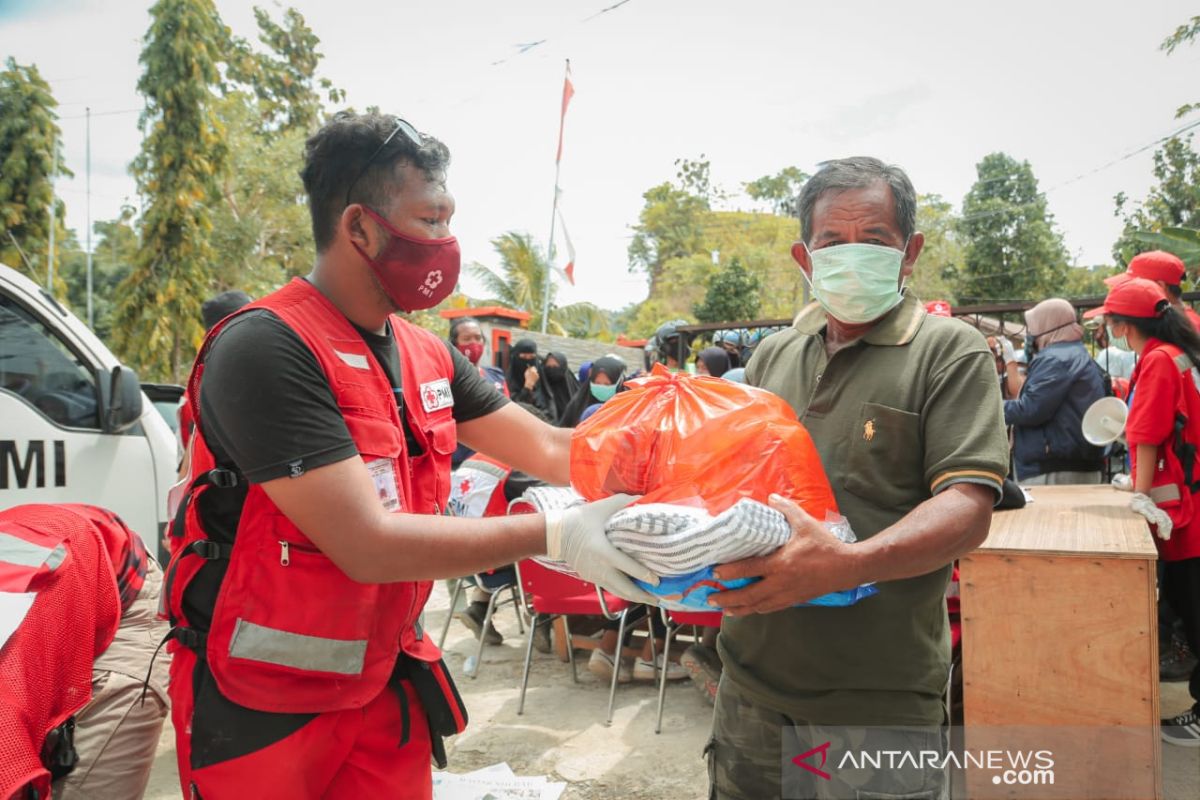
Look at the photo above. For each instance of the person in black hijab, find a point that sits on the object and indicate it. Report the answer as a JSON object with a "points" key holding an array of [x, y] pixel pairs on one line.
{"points": [[524, 375], [604, 380], [712, 361], [558, 383]]}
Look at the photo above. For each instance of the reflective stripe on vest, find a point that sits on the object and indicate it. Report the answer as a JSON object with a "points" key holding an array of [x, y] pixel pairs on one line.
{"points": [[1167, 493], [297, 650], [21, 553]]}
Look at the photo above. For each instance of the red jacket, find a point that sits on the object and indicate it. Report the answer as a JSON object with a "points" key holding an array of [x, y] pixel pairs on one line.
{"points": [[292, 633], [1165, 413], [60, 553]]}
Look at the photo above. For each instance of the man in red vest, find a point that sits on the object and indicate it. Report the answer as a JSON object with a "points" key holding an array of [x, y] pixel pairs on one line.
{"points": [[320, 470], [80, 708]]}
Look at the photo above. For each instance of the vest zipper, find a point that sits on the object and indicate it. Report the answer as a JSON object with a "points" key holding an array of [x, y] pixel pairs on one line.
{"points": [[285, 556]]}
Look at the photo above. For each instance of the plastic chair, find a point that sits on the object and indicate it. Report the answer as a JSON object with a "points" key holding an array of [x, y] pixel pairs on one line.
{"points": [[680, 618], [495, 582], [547, 594]]}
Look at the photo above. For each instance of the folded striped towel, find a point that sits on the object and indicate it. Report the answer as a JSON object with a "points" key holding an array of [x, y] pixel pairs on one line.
{"points": [[679, 540]]}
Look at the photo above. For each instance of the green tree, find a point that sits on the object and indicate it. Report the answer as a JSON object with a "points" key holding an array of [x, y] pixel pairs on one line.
{"points": [[114, 250], [158, 317], [1174, 202], [1087, 281], [936, 274], [779, 191], [520, 283], [1185, 34], [733, 295], [30, 144], [1012, 250], [284, 77], [669, 226]]}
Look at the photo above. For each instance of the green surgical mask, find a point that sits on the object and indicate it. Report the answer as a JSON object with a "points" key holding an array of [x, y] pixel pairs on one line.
{"points": [[602, 393], [857, 283], [1119, 342]]}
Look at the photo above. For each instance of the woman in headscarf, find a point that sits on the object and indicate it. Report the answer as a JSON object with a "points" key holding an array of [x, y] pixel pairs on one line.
{"points": [[712, 361], [524, 377], [1061, 383], [558, 384], [604, 380]]}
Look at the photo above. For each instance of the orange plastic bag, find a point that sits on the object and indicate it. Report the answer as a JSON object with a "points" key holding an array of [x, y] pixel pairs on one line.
{"points": [[698, 441]]}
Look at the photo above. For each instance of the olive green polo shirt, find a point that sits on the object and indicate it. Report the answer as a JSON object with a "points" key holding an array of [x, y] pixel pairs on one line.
{"points": [[904, 412]]}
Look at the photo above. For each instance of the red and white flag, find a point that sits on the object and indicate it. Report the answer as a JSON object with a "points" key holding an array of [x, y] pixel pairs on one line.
{"points": [[568, 92], [569, 269]]}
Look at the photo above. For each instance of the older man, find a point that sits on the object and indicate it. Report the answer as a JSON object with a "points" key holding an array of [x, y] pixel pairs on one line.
{"points": [[905, 412]]}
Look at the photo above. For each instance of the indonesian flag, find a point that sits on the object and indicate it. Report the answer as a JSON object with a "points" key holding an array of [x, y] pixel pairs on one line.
{"points": [[569, 269], [568, 93]]}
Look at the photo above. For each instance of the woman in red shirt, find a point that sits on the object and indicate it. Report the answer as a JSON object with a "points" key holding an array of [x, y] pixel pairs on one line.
{"points": [[1163, 432]]}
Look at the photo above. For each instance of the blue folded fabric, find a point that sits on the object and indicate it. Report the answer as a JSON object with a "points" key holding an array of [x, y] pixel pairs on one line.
{"points": [[690, 592]]}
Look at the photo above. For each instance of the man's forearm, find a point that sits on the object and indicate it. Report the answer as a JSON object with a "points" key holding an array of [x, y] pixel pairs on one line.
{"points": [[930, 536], [412, 547]]}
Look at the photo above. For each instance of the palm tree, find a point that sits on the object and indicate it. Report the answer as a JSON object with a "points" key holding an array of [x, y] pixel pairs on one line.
{"points": [[520, 283]]}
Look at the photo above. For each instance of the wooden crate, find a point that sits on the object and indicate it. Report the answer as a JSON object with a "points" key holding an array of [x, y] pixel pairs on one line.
{"points": [[1060, 632]]}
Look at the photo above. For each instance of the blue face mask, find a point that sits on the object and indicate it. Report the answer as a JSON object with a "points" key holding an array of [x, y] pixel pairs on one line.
{"points": [[602, 393]]}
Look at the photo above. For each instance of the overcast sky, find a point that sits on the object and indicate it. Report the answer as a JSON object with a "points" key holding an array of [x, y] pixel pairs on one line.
{"points": [[755, 85]]}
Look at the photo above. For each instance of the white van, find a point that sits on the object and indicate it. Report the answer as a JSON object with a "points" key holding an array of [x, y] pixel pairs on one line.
{"points": [[75, 426]]}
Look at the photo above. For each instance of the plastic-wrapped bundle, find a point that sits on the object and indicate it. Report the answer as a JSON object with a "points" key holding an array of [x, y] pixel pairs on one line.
{"points": [[698, 441]]}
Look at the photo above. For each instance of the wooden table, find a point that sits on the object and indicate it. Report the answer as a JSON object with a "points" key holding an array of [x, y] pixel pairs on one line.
{"points": [[1060, 636]]}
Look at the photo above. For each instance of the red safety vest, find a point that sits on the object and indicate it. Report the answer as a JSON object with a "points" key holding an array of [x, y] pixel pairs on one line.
{"points": [[291, 632], [1170, 489], [477, 488], [58, 553]]}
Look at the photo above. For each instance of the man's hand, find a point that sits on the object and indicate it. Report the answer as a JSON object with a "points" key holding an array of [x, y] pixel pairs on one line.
{"points": [[1143, 505], [531, 378], [812, 563], [576, 536]]}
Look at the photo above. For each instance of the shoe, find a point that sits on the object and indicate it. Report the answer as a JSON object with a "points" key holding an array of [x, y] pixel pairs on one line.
{"points": [[644, 670], [600, 664], [472, 616], [704, 668], [1183, 730], [1178, 662], [541, 638]]}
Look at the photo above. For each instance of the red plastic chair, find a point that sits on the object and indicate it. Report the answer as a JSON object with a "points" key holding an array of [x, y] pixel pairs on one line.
{"points": [[548, 594], [680, 618]]}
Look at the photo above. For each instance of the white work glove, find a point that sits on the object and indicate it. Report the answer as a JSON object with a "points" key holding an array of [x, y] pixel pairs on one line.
{"points": [[1143, 505], [1122, 482], [1006, 349], [576, 535]]}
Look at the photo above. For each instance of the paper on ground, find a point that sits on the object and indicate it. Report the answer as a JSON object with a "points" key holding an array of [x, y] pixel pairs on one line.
{"points": [[497, 782], [13, 608]]}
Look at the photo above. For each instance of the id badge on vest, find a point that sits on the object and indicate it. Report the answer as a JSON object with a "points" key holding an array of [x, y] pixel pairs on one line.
{"points": [[384, 474]]}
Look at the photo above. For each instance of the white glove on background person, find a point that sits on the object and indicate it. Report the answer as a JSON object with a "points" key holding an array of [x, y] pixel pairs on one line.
{"points": [[1006, 350], [576, 535], [1143, 505], [1122, 482]]}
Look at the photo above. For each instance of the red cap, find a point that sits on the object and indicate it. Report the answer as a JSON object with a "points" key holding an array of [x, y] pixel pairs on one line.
{"points": [[1155, 265], [938, 308], [1134, 297]]}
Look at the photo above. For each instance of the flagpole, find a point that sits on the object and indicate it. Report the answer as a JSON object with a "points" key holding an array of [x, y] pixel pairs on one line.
{"points": [[554, 208]]}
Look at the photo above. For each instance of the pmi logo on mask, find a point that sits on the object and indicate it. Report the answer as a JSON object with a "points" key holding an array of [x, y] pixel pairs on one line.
{"points": [[432, 281]]}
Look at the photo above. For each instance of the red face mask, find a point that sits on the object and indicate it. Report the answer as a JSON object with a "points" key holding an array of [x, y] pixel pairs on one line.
{"points": [[415, 273], [472, 350]]}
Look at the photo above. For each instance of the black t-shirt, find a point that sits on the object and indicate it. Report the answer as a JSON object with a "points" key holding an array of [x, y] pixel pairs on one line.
{"points": [[266, 406]]}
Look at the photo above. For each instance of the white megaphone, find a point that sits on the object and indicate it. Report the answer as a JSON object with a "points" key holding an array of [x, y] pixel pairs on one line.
{"points": [[1104, 421]]}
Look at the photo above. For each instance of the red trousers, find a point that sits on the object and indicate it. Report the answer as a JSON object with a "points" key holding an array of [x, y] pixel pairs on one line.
{"points": [[229, 752]]}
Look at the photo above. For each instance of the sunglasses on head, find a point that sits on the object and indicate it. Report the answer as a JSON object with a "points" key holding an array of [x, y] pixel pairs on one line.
{"points": [[410, 133]]}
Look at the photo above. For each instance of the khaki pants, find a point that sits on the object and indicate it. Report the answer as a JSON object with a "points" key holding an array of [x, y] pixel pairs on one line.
{"points": [[116, 735]]}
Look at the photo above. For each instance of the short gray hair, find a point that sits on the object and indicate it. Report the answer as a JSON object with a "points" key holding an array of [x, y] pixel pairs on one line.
{"points": [[857, 173]]}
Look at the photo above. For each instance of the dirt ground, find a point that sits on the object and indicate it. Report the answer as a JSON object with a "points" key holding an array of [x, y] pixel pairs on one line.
{"points": [[562, 732]]}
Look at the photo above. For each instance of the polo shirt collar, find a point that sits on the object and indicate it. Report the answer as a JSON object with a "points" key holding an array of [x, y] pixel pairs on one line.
{"points": [[898, 327]]}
